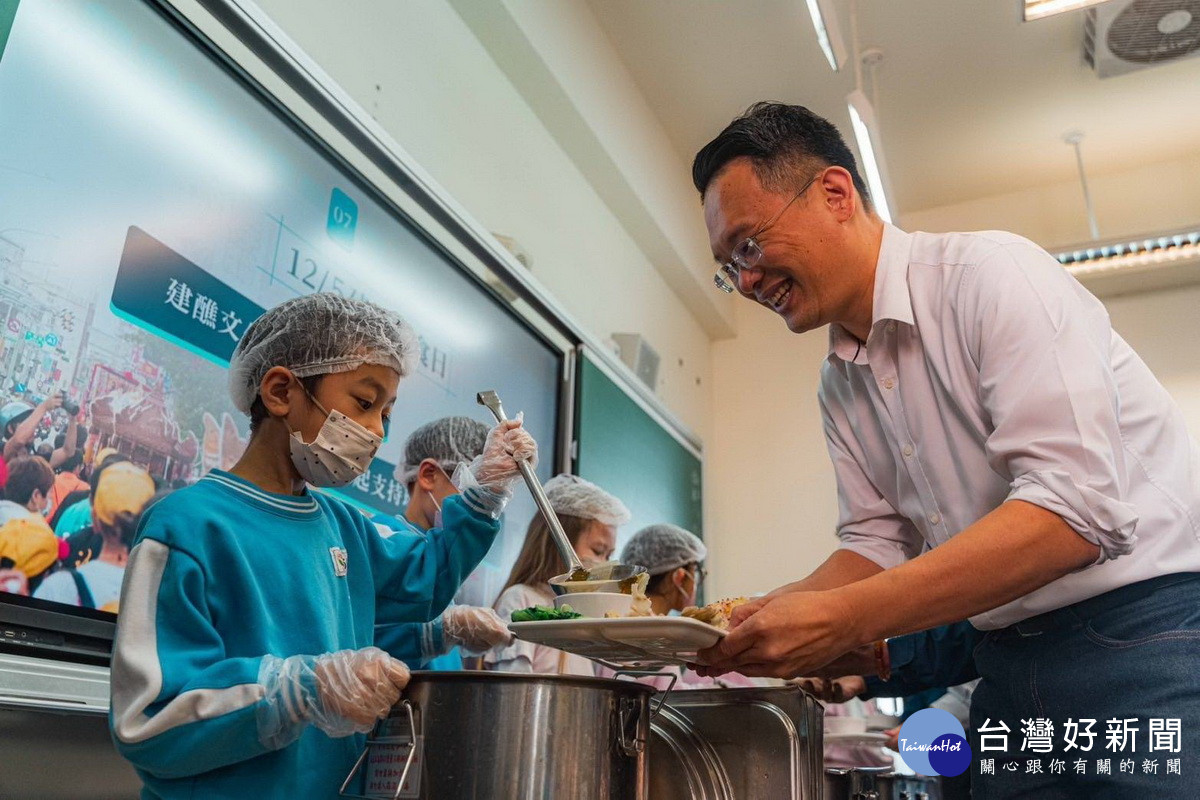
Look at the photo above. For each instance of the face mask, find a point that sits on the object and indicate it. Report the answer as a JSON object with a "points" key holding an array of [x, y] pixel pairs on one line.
{"points": [[341, 451], [46, 506], [437, 516], [689, 598]]}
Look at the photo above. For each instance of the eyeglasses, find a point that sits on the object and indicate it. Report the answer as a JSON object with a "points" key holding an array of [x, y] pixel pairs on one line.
{"points": [[749, 252], [699, 575]]}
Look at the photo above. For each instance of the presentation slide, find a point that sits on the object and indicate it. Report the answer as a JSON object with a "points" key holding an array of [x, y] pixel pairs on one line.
{"points": [[153, 206]]}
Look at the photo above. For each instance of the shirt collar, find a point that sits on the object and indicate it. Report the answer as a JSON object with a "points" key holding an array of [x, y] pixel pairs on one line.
{"points": [[891, 299]]}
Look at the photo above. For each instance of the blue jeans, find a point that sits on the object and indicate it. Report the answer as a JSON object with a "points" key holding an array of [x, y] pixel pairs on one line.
{"points": [[1132, 653]]}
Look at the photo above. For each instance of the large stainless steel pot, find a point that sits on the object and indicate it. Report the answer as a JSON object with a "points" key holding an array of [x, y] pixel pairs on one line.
{"points": [[682, 762], [729, 744], [519, 737], [861, 783], [879, 783], [893, 786]]}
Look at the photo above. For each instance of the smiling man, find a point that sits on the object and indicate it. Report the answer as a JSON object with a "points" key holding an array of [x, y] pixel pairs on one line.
{"points": [[1001, 455]]}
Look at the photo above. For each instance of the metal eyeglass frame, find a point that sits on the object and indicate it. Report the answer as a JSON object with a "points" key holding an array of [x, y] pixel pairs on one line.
{"points": [[748, 252]]}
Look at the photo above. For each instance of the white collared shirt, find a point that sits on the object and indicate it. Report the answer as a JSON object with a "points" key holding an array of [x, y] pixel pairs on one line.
{"points": [[990, 374]]}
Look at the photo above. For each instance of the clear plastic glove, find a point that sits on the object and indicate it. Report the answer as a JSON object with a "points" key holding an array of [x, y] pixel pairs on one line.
{"points": [[496, 468], [475, 629], [341, 693]]}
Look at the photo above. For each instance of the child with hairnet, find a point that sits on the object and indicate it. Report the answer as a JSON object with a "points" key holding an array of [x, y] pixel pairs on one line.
{"points": [[432, 454], [590, 517], [244, 663], [674, 559]]}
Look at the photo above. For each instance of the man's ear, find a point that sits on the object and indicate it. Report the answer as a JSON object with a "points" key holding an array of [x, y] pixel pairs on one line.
{"points": [[276, 391], [841, 197]]}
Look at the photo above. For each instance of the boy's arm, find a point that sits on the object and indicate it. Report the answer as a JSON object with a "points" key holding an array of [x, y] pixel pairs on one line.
{"points": [[179, 706], [417, 574], [414, 643]]}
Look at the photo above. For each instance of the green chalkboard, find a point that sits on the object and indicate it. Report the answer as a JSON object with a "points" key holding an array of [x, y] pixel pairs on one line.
{"points": [[8, 13], [628, 452]]}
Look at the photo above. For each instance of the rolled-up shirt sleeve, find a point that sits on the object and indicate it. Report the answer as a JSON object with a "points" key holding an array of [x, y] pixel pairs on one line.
{"points": [[867, 523], [1041, 343]]}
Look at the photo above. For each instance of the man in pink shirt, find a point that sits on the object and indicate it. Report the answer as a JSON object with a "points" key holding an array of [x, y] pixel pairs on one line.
{"points": [[1001, 455]]}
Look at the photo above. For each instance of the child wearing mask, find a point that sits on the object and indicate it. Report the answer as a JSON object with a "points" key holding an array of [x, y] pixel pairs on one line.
{"points": [[432, 454], [590, 517], [244, 663]]}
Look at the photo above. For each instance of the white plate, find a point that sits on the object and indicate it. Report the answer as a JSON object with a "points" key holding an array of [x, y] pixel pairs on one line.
{"points": [[629, 641], [869, 739]]}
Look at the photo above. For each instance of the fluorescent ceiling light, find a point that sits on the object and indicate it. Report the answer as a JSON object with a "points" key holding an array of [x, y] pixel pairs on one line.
{"points": [[1147, 252], [1037, 9], [866, 133], [829, 35]]}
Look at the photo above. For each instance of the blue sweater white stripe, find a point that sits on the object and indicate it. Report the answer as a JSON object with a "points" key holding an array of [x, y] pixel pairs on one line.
{"points": [[223, 573]]}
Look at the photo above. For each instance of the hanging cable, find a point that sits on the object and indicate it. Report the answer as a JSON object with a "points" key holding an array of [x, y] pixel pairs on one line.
{"points": [[1075, 139], [858, 80]]}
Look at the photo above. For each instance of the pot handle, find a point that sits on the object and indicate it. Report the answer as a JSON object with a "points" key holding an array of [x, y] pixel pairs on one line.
{"points": [[630, 710], [412, 754], [652, 673]]}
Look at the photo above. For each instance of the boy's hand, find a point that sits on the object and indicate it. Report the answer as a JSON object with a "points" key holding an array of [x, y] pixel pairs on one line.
{"points": [[355, 689], [473, 628], [496, 468]]}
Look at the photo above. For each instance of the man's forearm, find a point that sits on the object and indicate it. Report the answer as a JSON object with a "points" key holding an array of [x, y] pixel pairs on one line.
{"points": [[62, 454], [1009, 553], [841, 568], [71, 442]]}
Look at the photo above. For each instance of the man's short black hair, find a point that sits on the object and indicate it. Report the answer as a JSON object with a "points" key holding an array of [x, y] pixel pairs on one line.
{"points": [[786, 144], [258, 411]]}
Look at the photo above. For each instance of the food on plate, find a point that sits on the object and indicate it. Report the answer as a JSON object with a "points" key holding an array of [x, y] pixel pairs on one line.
{"points": [[542, 613], [640, 607], [716, 614], [641, 604]]}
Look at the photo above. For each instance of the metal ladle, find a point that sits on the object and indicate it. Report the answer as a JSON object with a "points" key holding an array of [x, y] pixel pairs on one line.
{"points": [[610, 576]]}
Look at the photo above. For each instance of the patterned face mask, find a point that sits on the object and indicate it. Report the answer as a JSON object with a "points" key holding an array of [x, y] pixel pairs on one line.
{"points": [[341, 451]]}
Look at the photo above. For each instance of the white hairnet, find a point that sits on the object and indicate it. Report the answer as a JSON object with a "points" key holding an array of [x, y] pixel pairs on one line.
{"points": [[449, 441], [661, 548], [315, 335], [570, 494]]}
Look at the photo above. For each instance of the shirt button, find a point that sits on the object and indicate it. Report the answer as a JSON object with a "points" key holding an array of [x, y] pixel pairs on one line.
{"points": [[935, 518], [888, 383], [908, 451]]}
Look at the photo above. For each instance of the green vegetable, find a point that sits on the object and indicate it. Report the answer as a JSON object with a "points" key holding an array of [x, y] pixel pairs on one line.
{"points": [[541, 613]]}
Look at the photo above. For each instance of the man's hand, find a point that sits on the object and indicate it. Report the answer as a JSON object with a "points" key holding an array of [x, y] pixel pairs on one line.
{"points": [[833, 690], [786, 636]]}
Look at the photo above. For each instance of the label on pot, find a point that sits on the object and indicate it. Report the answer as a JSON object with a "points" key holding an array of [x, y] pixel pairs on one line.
{"points": [[385, 765]]}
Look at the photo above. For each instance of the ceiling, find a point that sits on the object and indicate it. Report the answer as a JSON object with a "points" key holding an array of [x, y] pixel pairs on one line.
{"points": [[971, 101]]}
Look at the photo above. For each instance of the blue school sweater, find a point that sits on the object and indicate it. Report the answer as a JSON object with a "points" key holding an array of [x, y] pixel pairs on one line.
{"points": [[223, 573]]}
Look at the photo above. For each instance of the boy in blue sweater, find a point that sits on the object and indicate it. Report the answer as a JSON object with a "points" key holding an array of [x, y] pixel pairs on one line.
{"points": [[244, 663]]}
